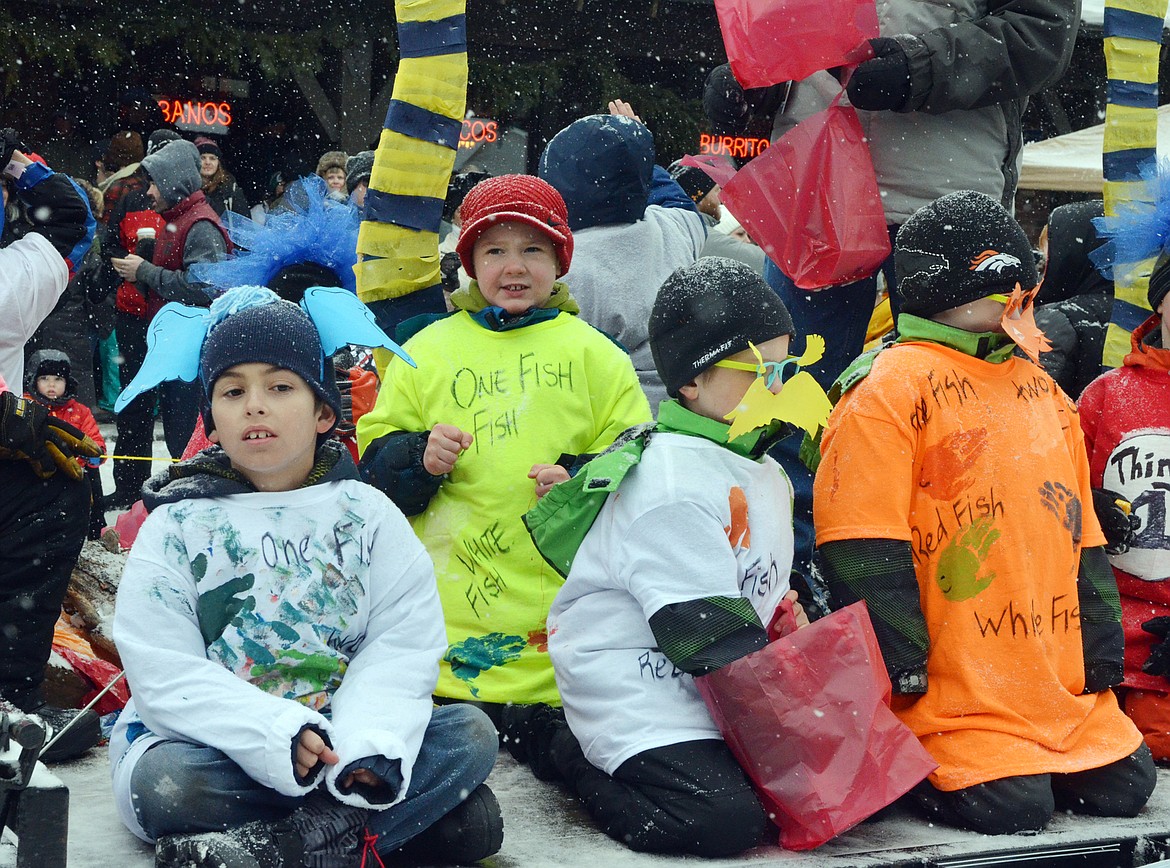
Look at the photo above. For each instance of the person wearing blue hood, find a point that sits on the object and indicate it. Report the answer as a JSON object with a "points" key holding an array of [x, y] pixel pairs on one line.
{"points": [[193, 235], [622, 209]]}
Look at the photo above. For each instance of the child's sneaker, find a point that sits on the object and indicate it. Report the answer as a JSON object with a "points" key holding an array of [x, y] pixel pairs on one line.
{"points": [[322, 833], [472, 830]]}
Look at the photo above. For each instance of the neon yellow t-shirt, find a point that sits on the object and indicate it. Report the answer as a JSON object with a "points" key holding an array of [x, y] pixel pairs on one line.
{"points": [[527, 396]]}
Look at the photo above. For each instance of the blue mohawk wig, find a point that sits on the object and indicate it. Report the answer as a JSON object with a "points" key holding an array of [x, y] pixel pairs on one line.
{"points": [[310, 230]]}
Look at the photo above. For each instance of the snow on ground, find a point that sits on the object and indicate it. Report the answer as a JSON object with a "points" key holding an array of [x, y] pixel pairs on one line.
{"points": [[543, 826]]}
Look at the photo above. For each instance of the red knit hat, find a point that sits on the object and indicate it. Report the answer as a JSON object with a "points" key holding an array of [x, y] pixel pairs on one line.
{"points": [[522, 198]]}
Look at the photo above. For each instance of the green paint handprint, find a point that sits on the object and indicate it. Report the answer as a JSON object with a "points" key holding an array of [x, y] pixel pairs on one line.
{"points": [[476, 654], [220, 606], [959, 564]]}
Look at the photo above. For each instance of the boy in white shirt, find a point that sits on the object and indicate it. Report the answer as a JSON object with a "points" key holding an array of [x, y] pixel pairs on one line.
{"points": [[281, 631], [681, 572]]}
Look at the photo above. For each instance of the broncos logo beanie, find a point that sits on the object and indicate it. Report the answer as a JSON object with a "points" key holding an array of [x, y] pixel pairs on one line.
{"points": [[960, 248]]}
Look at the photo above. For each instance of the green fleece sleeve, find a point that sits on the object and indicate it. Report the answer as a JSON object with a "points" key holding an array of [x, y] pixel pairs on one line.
{"points": [[881, 572]]}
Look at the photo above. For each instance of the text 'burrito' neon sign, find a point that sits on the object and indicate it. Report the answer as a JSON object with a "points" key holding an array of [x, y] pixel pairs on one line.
{"points": [[731, 146]]}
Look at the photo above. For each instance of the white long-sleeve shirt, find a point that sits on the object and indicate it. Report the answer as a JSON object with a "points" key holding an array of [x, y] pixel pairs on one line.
{"points": [[241, 619], [32, 277]]}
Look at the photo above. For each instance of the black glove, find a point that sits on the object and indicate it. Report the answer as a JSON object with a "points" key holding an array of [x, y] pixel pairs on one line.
{"points": [[724, 102], [1158, 663], [1118, 525], [883, 82], [28, 432], [9, 142]]}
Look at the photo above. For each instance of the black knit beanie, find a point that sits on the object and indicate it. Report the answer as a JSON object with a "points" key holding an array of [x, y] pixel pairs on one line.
{"points": [[159, 138], [279, 333], [1159, 281], [55, 363], [695, 182], [958, 249], [358, 168], [708, 311]]}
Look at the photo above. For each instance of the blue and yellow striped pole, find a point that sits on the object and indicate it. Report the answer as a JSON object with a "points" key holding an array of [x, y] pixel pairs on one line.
{"points": [[1133, 39], [398, 242]]}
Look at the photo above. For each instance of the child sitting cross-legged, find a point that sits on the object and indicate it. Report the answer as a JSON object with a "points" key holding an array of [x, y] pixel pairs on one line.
{"points": [[281, 632]]}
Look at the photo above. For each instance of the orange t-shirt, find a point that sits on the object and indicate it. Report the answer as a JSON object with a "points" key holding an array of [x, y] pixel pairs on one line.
{"points": [[981, 468]]}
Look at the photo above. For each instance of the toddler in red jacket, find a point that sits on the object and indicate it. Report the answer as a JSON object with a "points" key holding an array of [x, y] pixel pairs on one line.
{"points": [[48, 380]]}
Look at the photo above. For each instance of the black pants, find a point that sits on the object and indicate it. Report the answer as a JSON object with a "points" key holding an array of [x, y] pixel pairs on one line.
{"points": [[692, 797], [97, 502], [1027, 802], [178, 403], [42, 525]]}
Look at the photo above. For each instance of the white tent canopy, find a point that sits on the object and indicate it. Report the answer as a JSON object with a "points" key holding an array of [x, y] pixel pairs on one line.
{"points": [[1072, 162]]}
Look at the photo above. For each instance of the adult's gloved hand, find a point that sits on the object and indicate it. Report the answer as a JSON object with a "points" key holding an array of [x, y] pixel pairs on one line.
{"points": [[1118, 525], [9, 142], [1158, 663], [882, 82], [28, 432]]}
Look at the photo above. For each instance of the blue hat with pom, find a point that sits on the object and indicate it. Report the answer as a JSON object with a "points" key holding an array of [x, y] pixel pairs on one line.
{"points": [[253, 324]]}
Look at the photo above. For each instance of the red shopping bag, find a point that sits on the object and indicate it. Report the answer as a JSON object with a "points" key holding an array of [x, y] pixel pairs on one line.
{"points": [[811, 201], [808, 718], [770, 41]]}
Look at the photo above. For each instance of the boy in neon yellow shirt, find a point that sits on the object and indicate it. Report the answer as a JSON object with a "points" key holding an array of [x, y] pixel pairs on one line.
{"points": [[508, 391]]}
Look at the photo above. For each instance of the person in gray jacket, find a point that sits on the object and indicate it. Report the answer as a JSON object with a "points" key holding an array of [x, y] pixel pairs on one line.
{"points": [[704, 192], [193, 234], [941, 103], [623, 209]]}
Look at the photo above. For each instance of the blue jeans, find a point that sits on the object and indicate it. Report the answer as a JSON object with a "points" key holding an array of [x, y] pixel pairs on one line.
{"points": [[181, 788]]}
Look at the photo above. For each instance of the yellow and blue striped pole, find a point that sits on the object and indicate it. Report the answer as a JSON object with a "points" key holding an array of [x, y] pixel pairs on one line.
{"points": [[1133, 39], [398, 242]]}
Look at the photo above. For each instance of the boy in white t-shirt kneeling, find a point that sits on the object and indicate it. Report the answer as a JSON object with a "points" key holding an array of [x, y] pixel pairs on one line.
{"points": [[680, 572]]}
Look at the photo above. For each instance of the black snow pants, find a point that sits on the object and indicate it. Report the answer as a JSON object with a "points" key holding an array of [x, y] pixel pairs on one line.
{"points": [[43, 524], [687, 798], [1027, 802]]}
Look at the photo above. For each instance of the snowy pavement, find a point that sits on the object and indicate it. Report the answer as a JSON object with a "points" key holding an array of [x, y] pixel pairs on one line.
{"points": [[543, 826]]}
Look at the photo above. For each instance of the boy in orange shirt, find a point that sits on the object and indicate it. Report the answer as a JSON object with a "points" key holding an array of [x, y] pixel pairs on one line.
{"points": [[981, 561]]}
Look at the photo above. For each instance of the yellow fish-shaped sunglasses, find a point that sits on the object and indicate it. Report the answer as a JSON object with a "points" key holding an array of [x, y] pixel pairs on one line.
{"points": [[802, 401]]}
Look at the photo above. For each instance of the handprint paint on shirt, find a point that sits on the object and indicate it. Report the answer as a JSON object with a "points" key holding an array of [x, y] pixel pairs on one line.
{"points": [[961, 573], [1064, 503]]}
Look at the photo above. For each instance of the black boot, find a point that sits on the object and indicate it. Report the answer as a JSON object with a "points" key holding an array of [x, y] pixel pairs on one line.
{"points": [[79, 737], [472, 830], [527, 732], [322, 833], [97, 506]]}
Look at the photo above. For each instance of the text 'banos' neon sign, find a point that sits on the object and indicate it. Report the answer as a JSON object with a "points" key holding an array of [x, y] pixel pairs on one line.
{"points": [[188, 114], [477, 131], [732, 146]]}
